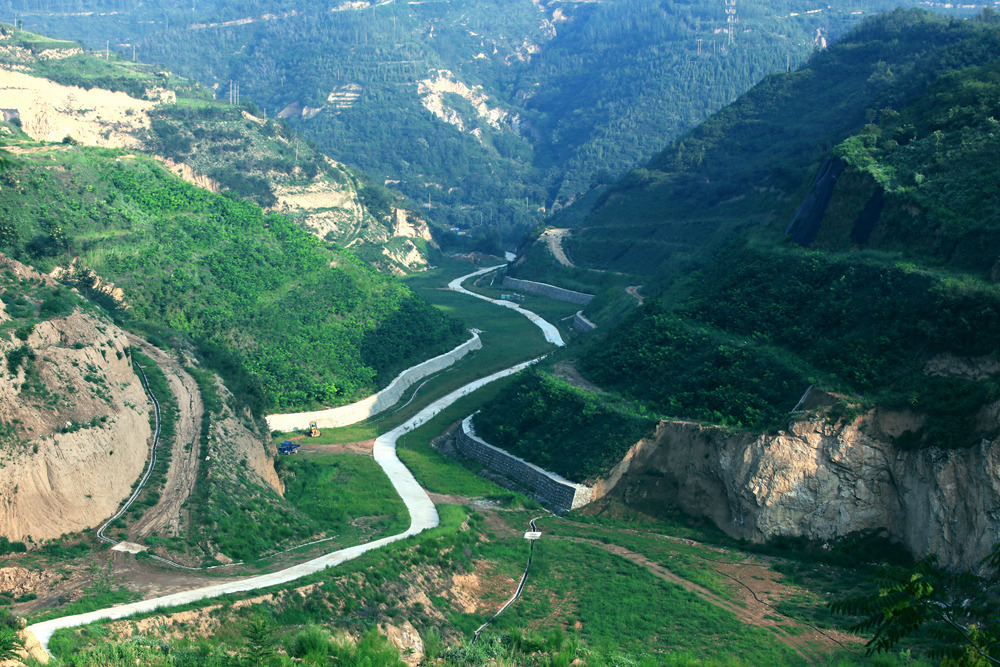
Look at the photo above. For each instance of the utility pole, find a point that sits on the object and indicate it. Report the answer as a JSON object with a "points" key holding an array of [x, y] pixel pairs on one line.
{"points": [[731, 20], [699, 46], [107, 50], [133, 53]]}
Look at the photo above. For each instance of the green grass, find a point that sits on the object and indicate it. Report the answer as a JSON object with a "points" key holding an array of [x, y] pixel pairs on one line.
{"points": [[336, 489], [689, 561], [621, 604], [332, 436], [103, 592]]}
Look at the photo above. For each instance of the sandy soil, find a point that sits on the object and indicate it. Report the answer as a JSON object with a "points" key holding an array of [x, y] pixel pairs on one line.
{"points": [[50, 111], [634, 291], [182, 475], [362, 447]]}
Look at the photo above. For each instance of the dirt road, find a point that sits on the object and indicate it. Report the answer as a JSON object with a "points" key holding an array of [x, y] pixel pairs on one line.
{"points": [[553, 239], [165, 517]]}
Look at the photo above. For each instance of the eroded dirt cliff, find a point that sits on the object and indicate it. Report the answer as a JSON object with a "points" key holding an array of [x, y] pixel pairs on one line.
{"points": [[73, 414], [823, 480]]}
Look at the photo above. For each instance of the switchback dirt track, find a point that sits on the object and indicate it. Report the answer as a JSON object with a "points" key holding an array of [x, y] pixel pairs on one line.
{"points": [[166, 516]]}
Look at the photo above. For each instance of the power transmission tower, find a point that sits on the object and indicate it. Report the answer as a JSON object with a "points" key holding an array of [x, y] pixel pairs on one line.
{"points": [[731, 20]]}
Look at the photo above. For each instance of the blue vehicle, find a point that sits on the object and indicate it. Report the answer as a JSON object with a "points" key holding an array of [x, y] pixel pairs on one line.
{"points": [[288, 447]]}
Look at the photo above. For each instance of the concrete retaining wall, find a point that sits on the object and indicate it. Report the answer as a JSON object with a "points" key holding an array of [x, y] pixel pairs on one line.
{"points": [[557, 492], [551, 291], [582, 324], [376, 403]]}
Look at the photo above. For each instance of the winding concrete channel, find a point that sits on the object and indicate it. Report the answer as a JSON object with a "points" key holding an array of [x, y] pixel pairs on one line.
{"points": [[549, 330], [423, 513]]}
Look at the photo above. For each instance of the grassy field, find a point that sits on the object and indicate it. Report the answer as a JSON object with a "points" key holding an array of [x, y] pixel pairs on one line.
{"points": [[344, 493]]}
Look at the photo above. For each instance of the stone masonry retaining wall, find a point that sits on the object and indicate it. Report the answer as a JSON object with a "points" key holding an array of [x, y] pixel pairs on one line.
{"points": [[376, 403], [582, 324], [553, 490], [551, 291]]}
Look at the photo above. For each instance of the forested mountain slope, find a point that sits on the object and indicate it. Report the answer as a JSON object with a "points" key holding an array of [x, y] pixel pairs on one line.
{"points": [[899, 264], [288, 319], [836, 227], [819, 266], [492, 113]]}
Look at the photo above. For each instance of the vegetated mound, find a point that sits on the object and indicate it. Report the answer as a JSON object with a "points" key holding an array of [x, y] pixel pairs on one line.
{"points": [[747, 320], [74, 418], [265, 161], [559, 427], [55, 91], [288, 321], [921, 178]]}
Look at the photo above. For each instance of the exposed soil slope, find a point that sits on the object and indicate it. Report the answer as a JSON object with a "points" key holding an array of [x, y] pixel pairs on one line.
{"points": [[74, 420], [50, 111]]}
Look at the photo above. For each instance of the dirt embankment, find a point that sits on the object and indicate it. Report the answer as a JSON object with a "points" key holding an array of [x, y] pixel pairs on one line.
{"points": [[51, 111], [75, 425], [553, 239], [242, 444]]}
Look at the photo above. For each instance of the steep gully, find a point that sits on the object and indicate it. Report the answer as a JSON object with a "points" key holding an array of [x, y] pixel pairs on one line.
{"points": [[423, 514]]}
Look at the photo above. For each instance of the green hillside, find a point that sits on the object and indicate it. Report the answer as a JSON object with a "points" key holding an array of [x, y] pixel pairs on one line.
{"points": [[290, 322], [228, 147], [836, 226]]}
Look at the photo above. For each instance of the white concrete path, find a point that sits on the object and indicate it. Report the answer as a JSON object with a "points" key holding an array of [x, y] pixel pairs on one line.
{"points": [[423, 515], [550, 331]]}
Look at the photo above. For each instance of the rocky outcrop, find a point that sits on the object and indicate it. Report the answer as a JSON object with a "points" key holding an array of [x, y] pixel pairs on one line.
{"points": [[822, 481]]}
